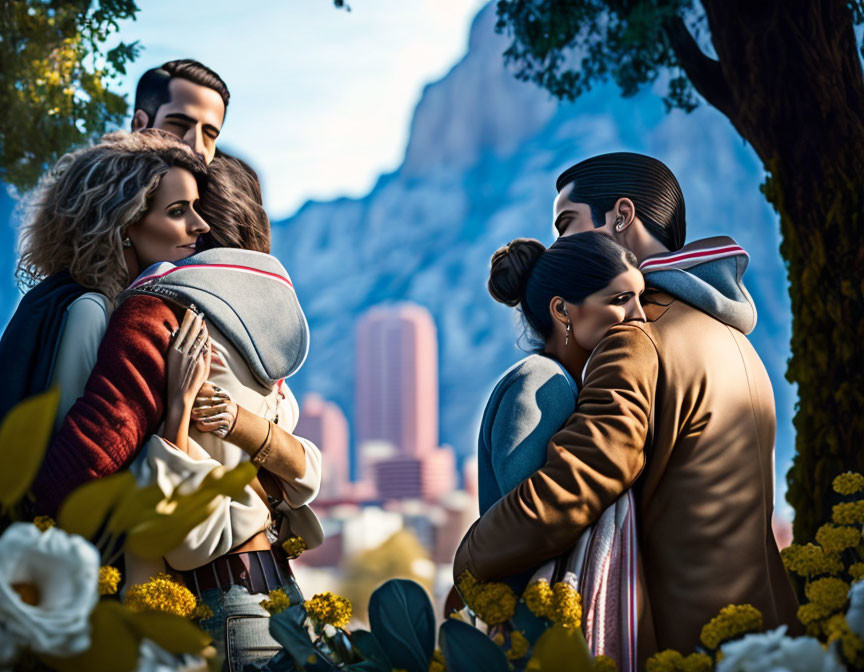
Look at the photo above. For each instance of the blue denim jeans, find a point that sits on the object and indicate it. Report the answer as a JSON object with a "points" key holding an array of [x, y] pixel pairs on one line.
{"points": [[240, 626]]}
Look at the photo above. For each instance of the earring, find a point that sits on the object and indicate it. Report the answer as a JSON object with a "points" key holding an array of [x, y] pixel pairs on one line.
{"points": [[567, 335], [619, 224], [127, 242]]}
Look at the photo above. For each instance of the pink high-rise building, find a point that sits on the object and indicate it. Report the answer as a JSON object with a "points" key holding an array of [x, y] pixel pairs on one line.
{"points": [[397, 379], [324, 423]]}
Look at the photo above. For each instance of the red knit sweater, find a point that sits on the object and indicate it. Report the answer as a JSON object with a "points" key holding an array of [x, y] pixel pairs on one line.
{"points": [[122, 405]]}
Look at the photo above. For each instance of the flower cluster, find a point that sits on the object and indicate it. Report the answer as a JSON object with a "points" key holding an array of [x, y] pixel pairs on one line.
{"points": [[829, 592], [732, 621], [837, 539], [856, 570], [161, 593], [848, 513], [109, 580], [494, 603], [277, 603], [605, 664], [329, 609], [837, 629], [519, 646], [810, 560], [566, 605], [294, 547], [848, 483], [673, 661], [538, 598], [560, 603]]}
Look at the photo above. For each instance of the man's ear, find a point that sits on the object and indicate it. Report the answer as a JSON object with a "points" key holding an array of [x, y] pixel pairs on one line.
{"points": [[625, 214], [140, 120]]}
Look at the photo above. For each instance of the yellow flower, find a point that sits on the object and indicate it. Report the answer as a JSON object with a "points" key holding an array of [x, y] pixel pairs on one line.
{"points": [[437, 664], [109, 579], [277, 603], [732, 621], [467, 585], [810, 560], [665, 661], [812, 612], [566, 605], [494, 602], [605, 664], [837, 539], [329, 609], [519, 646], [848, 513], [856, 571], [499, 639], [44, 522], [538, 598], [848, 483], [202, 612], [830, 592], [294, 547], [851, 645], [161, 593], [672, 661]]}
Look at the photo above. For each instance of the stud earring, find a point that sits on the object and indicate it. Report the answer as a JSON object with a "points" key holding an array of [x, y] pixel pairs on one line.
{"points": [[127, 242], [619, 224]]}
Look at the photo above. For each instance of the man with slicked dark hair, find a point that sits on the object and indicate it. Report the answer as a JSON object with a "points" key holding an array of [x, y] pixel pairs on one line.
{"points": [[679, 408], [184, 98]]}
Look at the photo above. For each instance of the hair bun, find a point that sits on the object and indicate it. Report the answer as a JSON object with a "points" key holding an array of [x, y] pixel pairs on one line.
{"points": [[511, 269]]}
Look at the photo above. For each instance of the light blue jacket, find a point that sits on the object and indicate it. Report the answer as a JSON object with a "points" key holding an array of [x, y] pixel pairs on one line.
{"points": [[530, 402]]}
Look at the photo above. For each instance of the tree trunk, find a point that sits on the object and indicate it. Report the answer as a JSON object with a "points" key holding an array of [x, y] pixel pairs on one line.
{"points": [[792, 86]]}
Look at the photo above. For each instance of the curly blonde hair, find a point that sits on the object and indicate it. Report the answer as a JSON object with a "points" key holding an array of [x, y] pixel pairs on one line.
{"points": [[77, 216]]}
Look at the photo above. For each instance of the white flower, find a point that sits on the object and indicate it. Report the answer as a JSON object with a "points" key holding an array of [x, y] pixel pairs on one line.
{"points": [[772, 651], [153, 658], [49, 584], [855, 614]]}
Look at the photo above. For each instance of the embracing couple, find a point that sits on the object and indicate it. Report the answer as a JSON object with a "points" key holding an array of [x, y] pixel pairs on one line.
{"points": [[633, 452], [156, 308]]}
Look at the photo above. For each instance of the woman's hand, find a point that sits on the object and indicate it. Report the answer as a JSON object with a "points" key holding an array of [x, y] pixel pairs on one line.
{"points": [[188, 361], [213, 410], [187, 367]]}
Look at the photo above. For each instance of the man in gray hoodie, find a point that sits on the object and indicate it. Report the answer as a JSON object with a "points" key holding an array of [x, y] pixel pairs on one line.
{"points": [[680, 408]]}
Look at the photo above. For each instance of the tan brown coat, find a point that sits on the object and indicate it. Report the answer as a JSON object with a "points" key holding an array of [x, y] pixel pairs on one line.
{"points": [[706, 492]]}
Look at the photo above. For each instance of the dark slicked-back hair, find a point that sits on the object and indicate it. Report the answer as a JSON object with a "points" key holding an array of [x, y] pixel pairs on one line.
{"points": [[601, 180], [152, 91]]}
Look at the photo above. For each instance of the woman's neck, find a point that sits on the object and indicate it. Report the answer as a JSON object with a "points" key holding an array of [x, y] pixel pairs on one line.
{"points": [[572, 356]]}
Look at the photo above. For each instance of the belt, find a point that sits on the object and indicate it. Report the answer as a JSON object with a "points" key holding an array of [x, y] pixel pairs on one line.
{"points": [[257, 571]]}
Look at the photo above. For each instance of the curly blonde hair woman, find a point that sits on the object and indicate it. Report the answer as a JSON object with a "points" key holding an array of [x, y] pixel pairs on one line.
{"points": [[97, 219]]}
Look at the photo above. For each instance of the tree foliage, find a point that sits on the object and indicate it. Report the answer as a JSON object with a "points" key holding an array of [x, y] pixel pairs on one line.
{"points": [[55, 74]]}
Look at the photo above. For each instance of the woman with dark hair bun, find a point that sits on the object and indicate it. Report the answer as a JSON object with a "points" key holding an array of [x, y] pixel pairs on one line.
{"points": [[569, 295]]}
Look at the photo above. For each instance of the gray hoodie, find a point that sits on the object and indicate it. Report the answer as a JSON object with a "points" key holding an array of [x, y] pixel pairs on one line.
{"points": [[708, 275], [248, 296]]}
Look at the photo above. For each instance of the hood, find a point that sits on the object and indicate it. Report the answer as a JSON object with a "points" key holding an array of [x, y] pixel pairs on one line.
{"points": [[707, 275], [248, 296]]}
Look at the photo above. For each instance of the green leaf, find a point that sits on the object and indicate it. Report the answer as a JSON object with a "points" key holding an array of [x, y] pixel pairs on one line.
{"points": [[370, 648], [136, 506], [113, 645], [561, 649], [83, 511], [171, 632], [467, 649], [24, 436], [403, 622], [289, 629]]}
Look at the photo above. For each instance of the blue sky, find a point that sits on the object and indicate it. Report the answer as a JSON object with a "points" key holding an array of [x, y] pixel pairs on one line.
{"points": [[321, 99]]}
